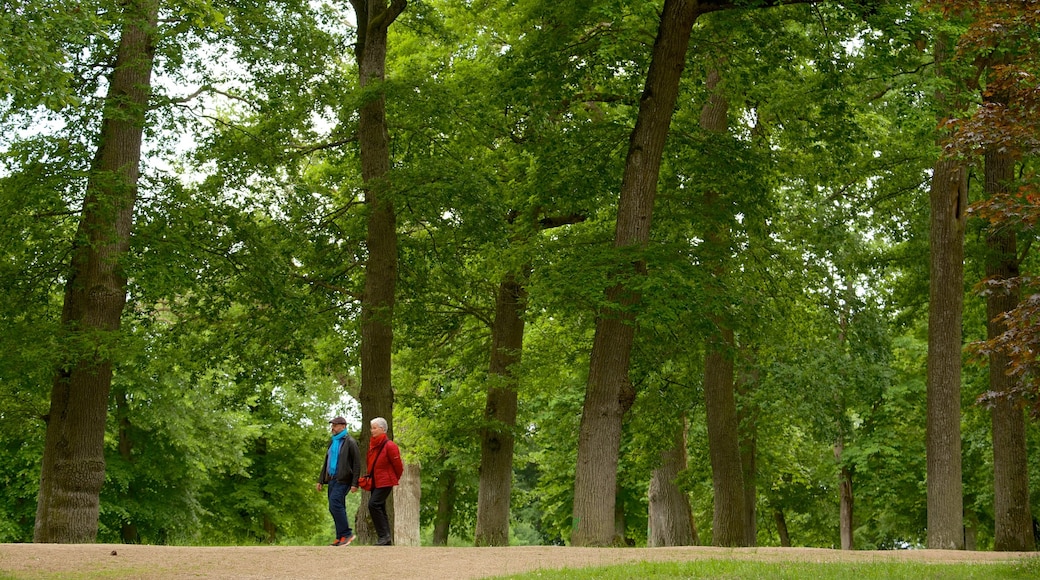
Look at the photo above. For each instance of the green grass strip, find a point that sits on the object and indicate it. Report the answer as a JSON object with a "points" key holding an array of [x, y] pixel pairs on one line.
{"points": [[1025, 569]]}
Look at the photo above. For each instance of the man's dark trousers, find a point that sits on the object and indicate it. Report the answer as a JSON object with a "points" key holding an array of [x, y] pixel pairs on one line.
{"points": [[338, 507]]}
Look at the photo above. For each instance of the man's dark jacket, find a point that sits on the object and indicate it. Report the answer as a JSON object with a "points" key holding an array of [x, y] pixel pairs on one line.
{"points": [[348, 465]]}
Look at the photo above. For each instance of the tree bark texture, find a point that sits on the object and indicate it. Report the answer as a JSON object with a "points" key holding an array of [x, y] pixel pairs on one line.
{"points": [[73, 466], [1012, 517], [670, 516], [376, 396], [496, 438], [599, 436], [945, 489], [724, 444], [408, 496], [948, 198]]}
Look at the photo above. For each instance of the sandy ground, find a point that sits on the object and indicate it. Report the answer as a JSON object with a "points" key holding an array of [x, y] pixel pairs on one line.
{"points": [[171, 562]]}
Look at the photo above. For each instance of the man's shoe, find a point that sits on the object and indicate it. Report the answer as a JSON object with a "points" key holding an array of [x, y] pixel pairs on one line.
{"points": [[342, 541], [348, 540], [385, 542]]}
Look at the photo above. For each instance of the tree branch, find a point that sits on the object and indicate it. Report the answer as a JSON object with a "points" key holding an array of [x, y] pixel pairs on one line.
{"points": [[706, 7]]}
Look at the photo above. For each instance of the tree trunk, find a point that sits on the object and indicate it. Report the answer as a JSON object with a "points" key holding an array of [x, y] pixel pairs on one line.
{"points": [[1012, 517], [599, 436], [971, 531], [445, 508], [376, 396], [948, 198], [747, 423], [846, 510], [408, 497], [128, 531], [727, 463], [781, 528], [670, 516], [73, 466], [845, 497], [496, 438], [258, 471], [945, 491], [748, 461], [619, 520], [724, 443]]}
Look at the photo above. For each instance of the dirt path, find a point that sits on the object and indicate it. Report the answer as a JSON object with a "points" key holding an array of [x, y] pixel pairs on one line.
{"points": [[155, 562]]}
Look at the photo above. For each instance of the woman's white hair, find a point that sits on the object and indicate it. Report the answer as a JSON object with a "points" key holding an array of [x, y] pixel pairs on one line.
{"points": [[379, 422]]}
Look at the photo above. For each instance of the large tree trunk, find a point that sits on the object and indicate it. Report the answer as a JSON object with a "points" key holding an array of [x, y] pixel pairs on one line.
{"points": [[496, 438], [945, 491], [729, 521], [724, 443], [600, 432], [670, 516], [599, 437], [948, 198], [73, 468], [1013, 519], [376, 396]]}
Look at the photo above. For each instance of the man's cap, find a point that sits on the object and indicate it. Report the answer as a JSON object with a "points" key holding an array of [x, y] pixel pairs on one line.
{"points": [[338, 421]]}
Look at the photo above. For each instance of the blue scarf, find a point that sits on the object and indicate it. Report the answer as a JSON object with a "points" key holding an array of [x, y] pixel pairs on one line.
{"points": [[337, 441]]}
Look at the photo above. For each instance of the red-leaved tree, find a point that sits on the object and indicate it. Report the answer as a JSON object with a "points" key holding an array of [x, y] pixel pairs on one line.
{"points": [[1002, 45]]}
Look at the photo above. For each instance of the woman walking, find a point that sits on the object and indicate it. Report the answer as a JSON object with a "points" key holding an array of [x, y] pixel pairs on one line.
{"points": [[385, 467]]}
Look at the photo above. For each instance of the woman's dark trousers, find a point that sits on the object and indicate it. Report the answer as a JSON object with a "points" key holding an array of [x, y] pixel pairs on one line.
{"points": [[377, 508]]}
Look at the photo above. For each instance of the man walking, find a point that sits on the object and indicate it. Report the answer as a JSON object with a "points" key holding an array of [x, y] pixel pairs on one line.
{"points": [[340, 472]]}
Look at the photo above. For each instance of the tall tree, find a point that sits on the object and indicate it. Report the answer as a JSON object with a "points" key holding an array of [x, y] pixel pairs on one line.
{"points": [[374, 18], [1012, 518], [949, 199], [609, 391], [720, 403], [496, 437], [1001, 41], [73, 467], [845, 491]]}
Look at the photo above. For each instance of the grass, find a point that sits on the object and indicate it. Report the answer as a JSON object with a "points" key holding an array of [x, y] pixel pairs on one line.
{"points": [[1028, 568]]}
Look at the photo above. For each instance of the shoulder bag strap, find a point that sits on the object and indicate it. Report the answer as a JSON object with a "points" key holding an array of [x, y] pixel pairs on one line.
{"points": [[378, 451]]}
